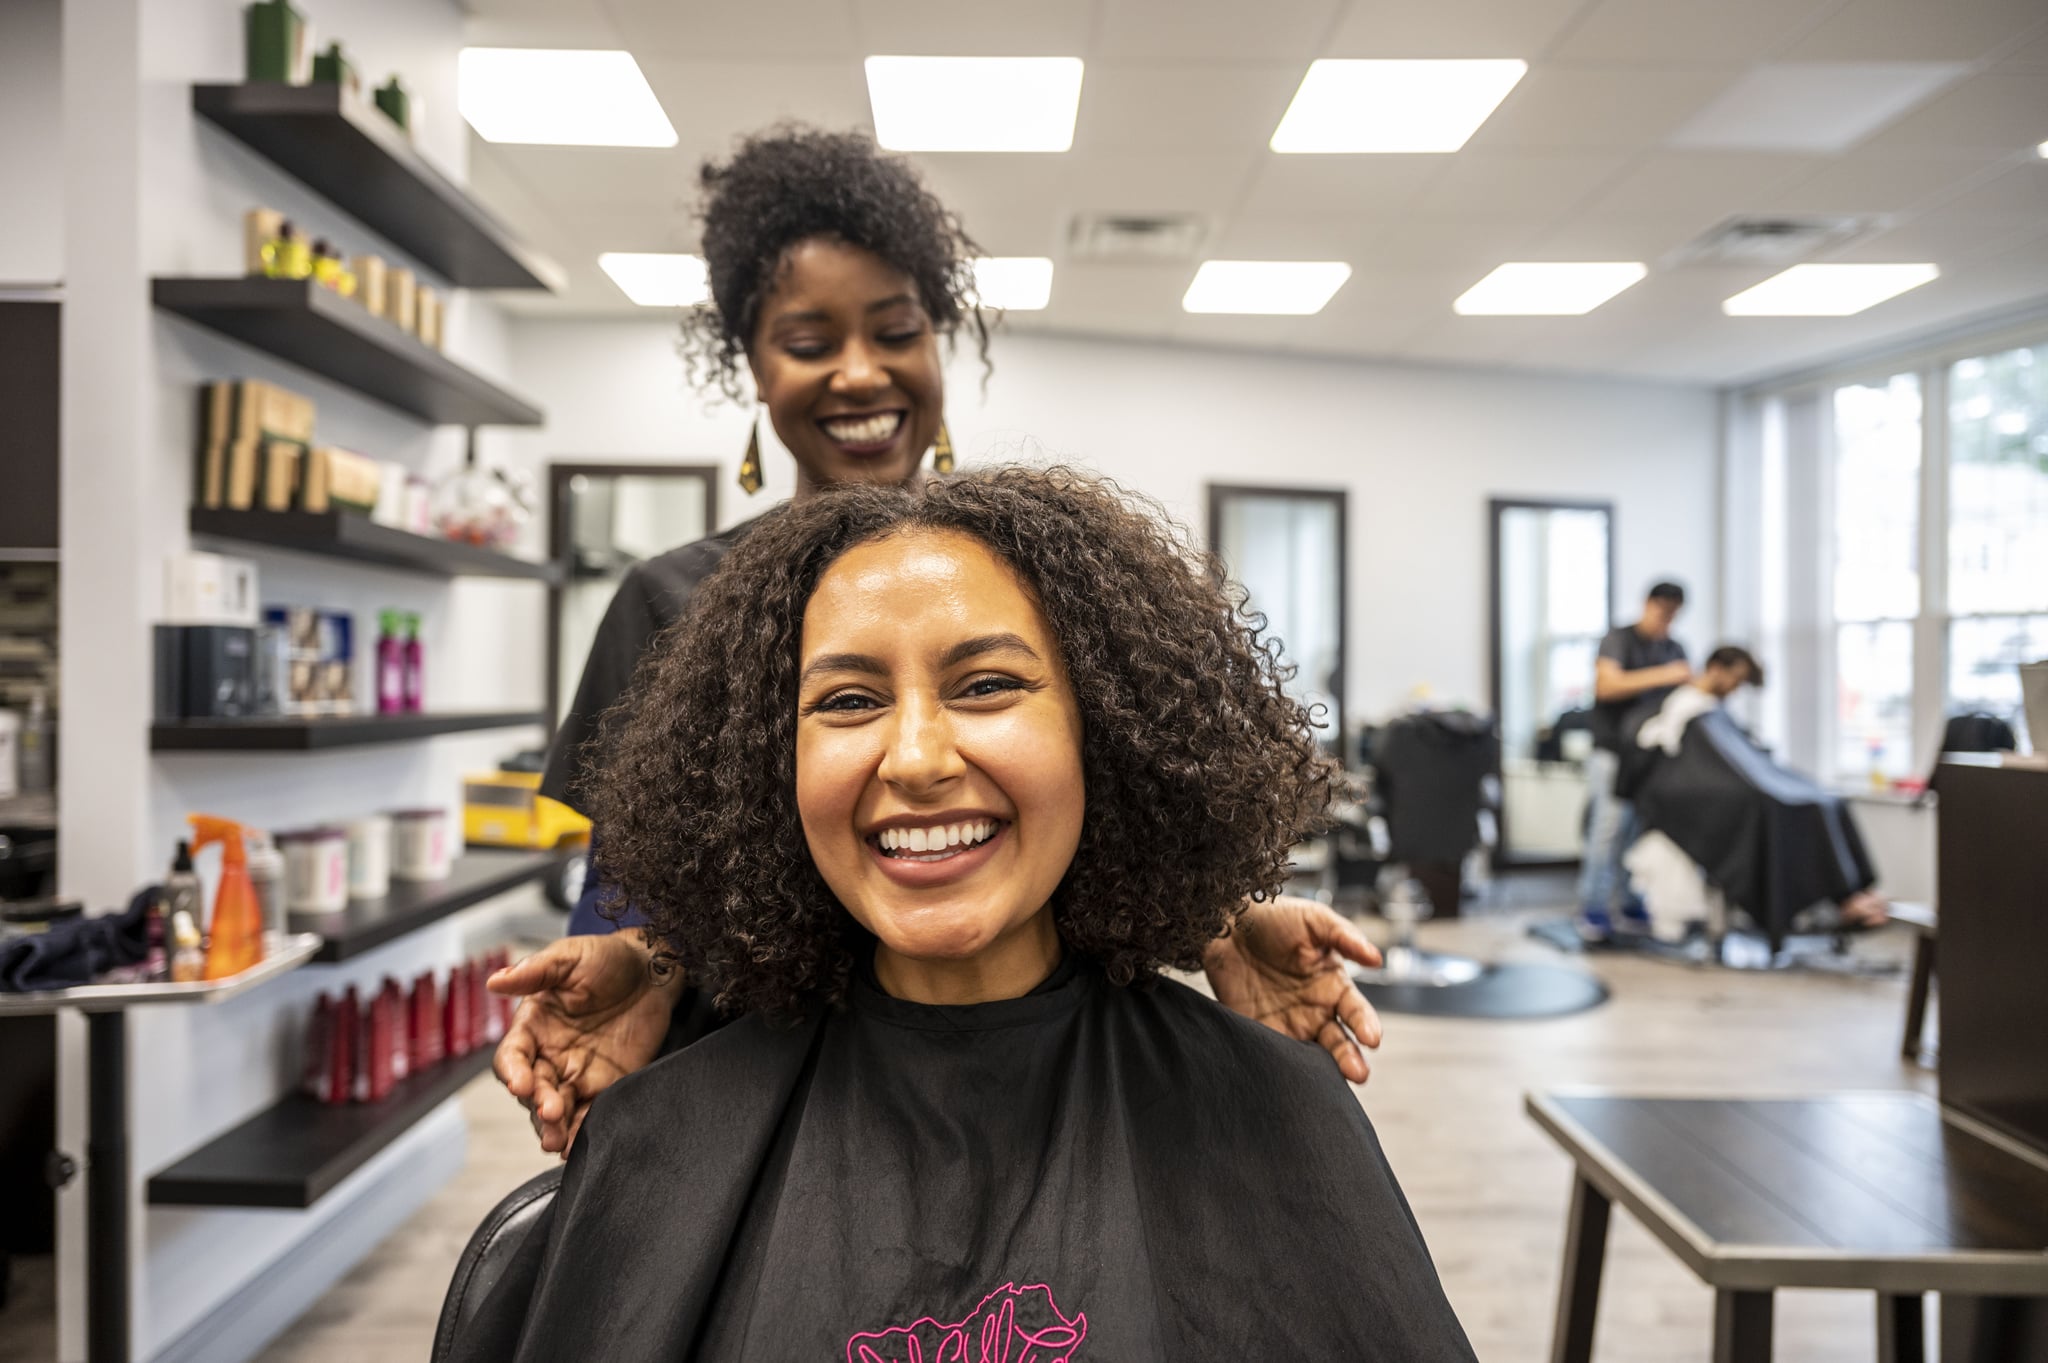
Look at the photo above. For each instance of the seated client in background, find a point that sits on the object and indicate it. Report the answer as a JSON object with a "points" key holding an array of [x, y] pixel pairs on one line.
{"points": [[1720, 815], [928, 787]]}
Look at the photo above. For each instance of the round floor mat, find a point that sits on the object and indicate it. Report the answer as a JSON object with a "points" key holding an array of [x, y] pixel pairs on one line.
{"points": [[1501, 991]]}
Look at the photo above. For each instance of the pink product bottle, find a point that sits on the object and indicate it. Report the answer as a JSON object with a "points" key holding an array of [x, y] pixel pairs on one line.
{"points": [[413, 686], [391, 671]]}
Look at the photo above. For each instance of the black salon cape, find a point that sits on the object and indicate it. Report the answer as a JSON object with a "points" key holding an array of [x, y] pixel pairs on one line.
{"points": [[1772, 841], [651, 597], [1087, 1174]]}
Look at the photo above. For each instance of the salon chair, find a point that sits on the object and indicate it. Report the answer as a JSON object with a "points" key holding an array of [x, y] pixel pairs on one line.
{"points": [[489, 1252]]}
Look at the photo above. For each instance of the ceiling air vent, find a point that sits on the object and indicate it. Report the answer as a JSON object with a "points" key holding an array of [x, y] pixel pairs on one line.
{"points": [[1136, 238], [1774, 241]]}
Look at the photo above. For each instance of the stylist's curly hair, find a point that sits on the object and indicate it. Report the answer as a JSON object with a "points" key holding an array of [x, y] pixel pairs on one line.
{"points": [[1200, 771], [792, 184]]}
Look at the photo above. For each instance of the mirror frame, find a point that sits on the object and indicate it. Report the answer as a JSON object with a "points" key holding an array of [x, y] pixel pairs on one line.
{"points": [[1214, 495], [1496, 508], [559, 474]]}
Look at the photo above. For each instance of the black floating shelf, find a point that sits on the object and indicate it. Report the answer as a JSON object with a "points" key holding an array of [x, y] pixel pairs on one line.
{"points": [[302, 733], [369, 923], [354, 536], [315, 328], [344, 148], [292, 1154]]}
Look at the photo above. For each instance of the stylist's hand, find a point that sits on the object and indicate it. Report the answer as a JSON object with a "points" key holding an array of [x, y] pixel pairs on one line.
{"points": [[1284, 964], [593, 1012]]}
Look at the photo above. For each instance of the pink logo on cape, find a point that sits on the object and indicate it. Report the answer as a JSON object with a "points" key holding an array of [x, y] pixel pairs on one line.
{"points": [[1010, 1325]]}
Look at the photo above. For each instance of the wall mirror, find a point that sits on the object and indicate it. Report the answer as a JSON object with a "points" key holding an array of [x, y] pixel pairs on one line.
{"points": [[1286, 545], [1552, 599], [603, 519]]}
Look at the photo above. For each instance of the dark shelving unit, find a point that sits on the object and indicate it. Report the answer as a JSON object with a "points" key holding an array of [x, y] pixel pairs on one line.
{"points": [[475, 876], [344, 148], [294, 1153], [315, 328], [354, 536], [302, 733]]}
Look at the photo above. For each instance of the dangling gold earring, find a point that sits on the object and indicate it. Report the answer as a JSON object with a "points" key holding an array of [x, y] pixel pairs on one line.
{"points": [[750, 463], [942, 451]]}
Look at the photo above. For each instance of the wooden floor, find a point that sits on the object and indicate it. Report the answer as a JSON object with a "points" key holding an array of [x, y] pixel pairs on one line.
{"points": [[1487, 1187]]}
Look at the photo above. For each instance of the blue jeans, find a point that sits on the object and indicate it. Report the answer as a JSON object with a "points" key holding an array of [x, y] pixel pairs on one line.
{"points": [[1611, 828]]}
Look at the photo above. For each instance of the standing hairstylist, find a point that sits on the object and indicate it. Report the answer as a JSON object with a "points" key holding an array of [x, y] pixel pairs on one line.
{"points": [[833, 273]]}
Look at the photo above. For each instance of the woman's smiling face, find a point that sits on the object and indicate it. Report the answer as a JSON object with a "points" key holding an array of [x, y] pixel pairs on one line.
{"points": [[938, 763]]}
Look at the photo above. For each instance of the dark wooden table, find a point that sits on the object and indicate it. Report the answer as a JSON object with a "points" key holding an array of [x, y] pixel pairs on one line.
{"points": [[1879, 1192]]}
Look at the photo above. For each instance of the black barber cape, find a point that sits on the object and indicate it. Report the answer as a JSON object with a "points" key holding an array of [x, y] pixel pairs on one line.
{"points": [[651, 597], [1087, 1174], [1773, 841]]}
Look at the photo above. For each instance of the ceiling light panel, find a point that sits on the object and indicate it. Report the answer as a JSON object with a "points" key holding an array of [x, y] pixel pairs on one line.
{"points": [[1393, 106], [1813, 106], [1827, 290], [1291, 288], [1548, 288], [1013, 283], [559, 97], [1014, 104], [658, 280]]}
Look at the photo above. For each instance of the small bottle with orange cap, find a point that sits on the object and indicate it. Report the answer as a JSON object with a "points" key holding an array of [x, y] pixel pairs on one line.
{"points": [[235, 942]]}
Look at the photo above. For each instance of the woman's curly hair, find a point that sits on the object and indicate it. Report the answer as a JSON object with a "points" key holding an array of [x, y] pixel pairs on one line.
{"points": [[1200, 771], [792, 184]]}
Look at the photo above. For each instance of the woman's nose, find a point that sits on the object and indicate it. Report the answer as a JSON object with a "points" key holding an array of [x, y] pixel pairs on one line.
{"points": [[921, 754], [859, 371]]}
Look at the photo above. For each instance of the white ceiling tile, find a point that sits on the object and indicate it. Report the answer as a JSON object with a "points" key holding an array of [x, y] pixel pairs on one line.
{"points": [[695, 30], [1287, 237], [1586, 108], [1450, 28], [1236, 329], [2028, 54], [1360, 186], [1632, 32], [1994, 113], [1473, 244], [1915, 30], [1708, 185], [1813, 106], [1873, 184], [1116, 297], [538, 23], [1128, 107], [1518, 184], [712, 103], [1157, 182], [2019, 194], [1213, 30], [973, 28], [1586, 236], [1006, 202]]}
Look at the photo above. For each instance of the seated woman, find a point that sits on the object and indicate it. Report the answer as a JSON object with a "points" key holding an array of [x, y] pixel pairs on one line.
{"points": [[1723, 821], [928, 786]]}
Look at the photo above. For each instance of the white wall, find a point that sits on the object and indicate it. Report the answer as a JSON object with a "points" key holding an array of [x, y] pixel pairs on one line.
{"points": [[150, 190], [1419, 449], [31, 142]]}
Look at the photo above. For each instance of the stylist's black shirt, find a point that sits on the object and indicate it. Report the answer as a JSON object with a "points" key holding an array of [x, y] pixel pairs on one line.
{"points": [[1634, 650], [652, 597]]}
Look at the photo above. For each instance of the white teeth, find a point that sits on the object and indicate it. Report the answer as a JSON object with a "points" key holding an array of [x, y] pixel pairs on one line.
{"points": [[939, 839], [952, 835], [864, 430], [918, 841]]}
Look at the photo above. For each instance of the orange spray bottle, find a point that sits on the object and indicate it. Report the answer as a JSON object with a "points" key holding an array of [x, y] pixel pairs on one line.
{"points": [[236, 941]]}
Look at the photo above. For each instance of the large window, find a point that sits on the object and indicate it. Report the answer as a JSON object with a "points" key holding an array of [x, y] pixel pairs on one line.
{"points": [[1921, 585], [1997, 528]]}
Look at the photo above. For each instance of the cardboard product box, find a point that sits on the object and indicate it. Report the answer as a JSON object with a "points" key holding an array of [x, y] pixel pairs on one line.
{"points": [[401, 299], [430, 317], [205, 672], [371, 278], [318, 660], [260, 227], [209, 589]]}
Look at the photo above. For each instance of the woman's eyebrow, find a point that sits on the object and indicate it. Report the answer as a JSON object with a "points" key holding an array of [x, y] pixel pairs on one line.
{"points": [[988, 643], [843, 662]]}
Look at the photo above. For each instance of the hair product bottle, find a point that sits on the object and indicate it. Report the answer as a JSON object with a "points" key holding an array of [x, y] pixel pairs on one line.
{"points": [[415, 685], [390, 665], [236, 941]]}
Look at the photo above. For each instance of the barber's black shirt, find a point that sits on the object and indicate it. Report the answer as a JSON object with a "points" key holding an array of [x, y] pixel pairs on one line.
{"points": [[1634, 650], [652, 597]]}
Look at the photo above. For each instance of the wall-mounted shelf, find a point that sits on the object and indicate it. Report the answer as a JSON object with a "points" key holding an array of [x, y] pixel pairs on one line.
{"points": [[315, 328], [300, 733], [353, 536], [343, 147], [292, 1154], [369, 923]]}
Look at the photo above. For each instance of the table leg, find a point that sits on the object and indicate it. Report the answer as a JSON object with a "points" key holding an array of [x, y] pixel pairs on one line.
{"points": [[106, 1188], [1901, 1337], [1916, 997], [1578, 1291], [1742, 1327]]}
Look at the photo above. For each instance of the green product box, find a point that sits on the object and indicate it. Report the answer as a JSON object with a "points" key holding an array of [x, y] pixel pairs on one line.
{"points": [[332, 68], [396, 103], [278, 39]]}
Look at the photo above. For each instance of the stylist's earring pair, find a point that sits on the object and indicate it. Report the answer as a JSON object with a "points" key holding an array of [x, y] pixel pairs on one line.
{"points": [[942, 451], [750, 462]]}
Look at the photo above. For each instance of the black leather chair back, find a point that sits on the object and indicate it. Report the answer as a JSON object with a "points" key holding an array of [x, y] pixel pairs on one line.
{"points": [[489, 1251]]}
